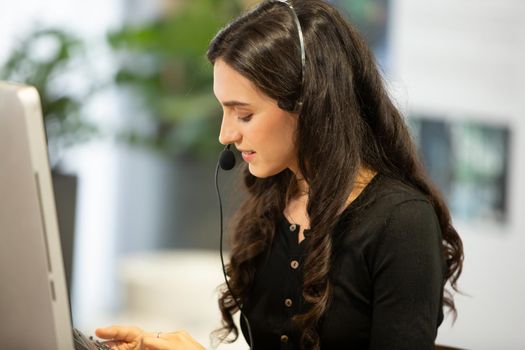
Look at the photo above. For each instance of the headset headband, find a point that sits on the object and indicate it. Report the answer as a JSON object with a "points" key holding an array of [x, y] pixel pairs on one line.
{"points": [[301, 42]]}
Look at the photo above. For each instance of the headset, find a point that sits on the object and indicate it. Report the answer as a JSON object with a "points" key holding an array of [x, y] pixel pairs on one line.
{"points": [[299, 103], [227, 162]]}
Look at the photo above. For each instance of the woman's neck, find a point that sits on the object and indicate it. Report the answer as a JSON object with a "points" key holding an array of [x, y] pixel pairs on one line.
{"points": [[363, 177]]}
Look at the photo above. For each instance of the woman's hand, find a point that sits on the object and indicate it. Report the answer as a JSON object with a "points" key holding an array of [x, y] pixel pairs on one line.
{"points": [[134, 338]]}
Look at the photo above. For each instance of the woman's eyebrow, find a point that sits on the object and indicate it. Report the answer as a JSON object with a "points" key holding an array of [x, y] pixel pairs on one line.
{"points": [[234, 104]]}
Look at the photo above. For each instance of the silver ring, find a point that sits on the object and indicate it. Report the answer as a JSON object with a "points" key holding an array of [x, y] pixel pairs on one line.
{"points": [[158, 334]]}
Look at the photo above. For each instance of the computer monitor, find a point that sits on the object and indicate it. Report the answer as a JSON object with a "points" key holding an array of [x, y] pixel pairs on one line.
{"points": [[34, 308]]}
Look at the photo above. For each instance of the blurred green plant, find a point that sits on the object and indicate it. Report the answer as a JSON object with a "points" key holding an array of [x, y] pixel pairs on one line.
{"points": [[45, 58], [163, 62]]}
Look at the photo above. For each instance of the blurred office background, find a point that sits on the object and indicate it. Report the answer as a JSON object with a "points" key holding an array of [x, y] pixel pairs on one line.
{"points": [[132, 129]]}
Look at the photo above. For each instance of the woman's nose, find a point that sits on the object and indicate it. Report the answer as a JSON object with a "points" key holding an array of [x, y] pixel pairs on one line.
{"points": [[229, 133]]}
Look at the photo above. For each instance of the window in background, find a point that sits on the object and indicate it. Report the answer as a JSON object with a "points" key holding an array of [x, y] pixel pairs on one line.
{"points": [[469, 162]]}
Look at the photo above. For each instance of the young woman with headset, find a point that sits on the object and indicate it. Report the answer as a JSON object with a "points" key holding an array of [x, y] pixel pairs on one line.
{"points": [[342, 242]]}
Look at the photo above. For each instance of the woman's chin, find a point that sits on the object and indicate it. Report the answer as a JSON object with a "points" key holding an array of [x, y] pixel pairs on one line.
{"points": [[261, 172]]}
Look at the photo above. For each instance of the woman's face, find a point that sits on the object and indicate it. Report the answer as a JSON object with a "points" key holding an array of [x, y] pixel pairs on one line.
{"points": [[252, 121]]}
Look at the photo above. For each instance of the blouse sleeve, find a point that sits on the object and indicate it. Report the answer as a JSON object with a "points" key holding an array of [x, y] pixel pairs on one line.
{"points": [[408, 280]]}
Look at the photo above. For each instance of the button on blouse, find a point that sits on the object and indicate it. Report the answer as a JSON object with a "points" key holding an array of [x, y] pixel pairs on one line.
{"points": [[294, 264]]}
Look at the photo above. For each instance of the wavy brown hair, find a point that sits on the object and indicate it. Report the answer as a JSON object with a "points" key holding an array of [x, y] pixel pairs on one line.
{"points": [[346, 121]]}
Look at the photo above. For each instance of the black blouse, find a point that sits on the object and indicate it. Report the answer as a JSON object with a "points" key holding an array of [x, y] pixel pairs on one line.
{"points": [[387, 277]]}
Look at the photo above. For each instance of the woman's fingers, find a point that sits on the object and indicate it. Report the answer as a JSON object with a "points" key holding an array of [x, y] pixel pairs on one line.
{"points": [[134, 338], [154, 343], [125, 334], [118, 345], [171, 341]]}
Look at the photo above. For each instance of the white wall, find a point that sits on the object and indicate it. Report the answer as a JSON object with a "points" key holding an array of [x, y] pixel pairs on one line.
{"points": [[466, 57]]}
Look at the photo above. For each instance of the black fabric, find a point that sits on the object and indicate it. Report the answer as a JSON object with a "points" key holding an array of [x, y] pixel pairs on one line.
{"points": [[387, 276]]}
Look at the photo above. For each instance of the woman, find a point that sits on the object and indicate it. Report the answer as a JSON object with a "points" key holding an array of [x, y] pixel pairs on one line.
{"points": [[342, 242]]}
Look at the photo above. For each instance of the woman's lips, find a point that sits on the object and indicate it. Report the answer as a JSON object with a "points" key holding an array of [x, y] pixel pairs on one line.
{"points": [[248, 155]]}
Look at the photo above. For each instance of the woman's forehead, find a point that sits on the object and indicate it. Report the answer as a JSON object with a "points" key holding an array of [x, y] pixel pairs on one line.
{"points": [[230, 87]]}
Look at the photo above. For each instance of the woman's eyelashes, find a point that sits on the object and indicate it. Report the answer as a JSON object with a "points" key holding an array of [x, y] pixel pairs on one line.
{"points": [[246, 118]]}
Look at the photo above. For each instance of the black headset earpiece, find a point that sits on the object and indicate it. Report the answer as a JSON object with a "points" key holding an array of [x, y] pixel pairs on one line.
{"points": [[286, 105], [290, 106]]}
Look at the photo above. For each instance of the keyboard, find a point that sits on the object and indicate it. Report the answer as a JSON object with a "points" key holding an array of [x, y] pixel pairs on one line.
{"points": [[84, 343]]}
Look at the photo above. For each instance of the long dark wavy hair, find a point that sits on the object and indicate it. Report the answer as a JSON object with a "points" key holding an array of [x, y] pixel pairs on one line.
{"points": [[346, 121]]}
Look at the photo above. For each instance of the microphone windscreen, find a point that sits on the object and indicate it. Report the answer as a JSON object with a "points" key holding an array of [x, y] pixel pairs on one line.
{"points": [[227, 159]]}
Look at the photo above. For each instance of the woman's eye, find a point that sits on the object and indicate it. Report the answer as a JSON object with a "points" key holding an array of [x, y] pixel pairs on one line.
{"points": [[246, 118]]}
